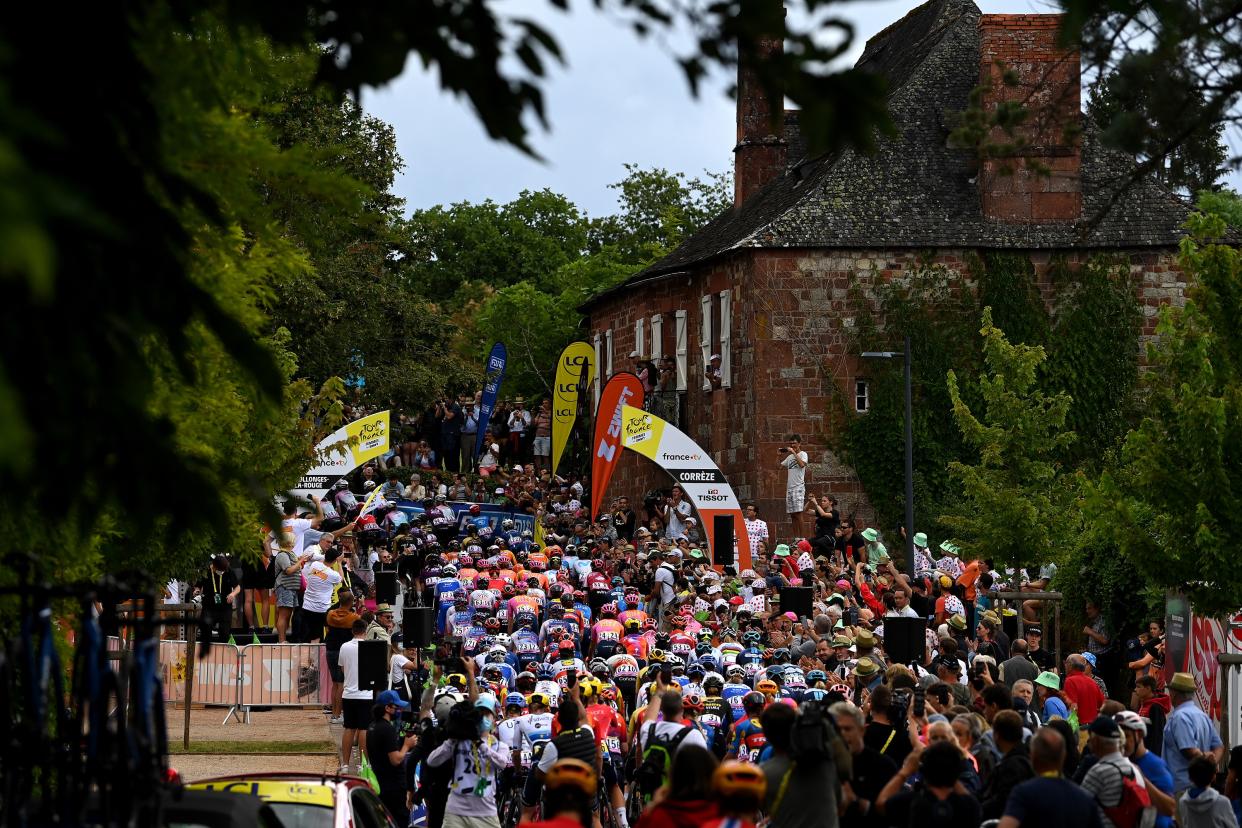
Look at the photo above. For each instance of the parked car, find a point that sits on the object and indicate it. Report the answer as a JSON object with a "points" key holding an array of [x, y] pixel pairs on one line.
{"points": [[304, 800]]}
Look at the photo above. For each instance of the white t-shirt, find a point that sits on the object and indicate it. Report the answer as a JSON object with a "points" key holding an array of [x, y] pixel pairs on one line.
{"points": [[667, 730], [677, 514], [905, 612], [664, 577], [796, 474], [320, 580], [396, 672], [296, 527], [348, 661]]}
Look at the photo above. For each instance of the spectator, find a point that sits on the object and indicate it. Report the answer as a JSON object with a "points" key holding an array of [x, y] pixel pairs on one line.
{"points": [[321, 580], [1154, 770], [219, 591], [1152, 703], [800, 795], [340, 629], [1043, 659], [1049, 799], [1081, 692], [1189, 733], [1018, 666], [1100, 643], [258, 582], [869, 773], [519, 422], [795, 460], [687, 797], [1051, 703], [356, 704], [469, 434], [756, 529], [936, 802], [675, 512], [1203, 806], [542, 444], [386, 752], [570, 787], [476, 763], [968, 730], [1105, 781], [288, 566], [714, 377], [1013, 769]]}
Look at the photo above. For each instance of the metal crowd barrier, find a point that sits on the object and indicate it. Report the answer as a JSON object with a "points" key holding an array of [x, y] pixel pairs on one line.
{"points": [[241, 677]]}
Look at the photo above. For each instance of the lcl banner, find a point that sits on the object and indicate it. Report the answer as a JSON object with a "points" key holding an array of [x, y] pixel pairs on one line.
{"points": [[574, 370], [491, 390], [335, 457], [622, 390], [693, 469]]}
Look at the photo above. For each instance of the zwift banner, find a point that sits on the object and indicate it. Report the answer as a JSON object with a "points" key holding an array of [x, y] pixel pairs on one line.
{"points": [[622, 390], [694, 470], [574, 370], [335, 457], [491, 390]]}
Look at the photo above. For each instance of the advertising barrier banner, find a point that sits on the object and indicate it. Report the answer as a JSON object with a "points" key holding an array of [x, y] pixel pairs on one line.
{"points": [[335, 458], [574, 370], [692, 468], [491, 390], [622, 390]]}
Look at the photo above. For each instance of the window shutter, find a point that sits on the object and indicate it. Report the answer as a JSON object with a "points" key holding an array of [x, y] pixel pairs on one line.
{"points": [[640, 338], [705, 338], [682, 348], [657, 338], [607, 353], [726, 328]]}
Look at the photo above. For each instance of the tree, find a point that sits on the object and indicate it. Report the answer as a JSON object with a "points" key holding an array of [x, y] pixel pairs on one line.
{"points": [[1015, 484], [658, 210], [1137, 110], [1174, 501]]}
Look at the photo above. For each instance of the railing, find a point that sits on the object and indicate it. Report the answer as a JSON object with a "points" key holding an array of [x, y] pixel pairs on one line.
{"points": [[666, 405]]}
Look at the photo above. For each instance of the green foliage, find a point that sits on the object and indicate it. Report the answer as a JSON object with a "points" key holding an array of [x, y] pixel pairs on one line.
{"points": [[1013, 488], [1173, 502], [658, 210], [1007, 285], [1223, 203]]}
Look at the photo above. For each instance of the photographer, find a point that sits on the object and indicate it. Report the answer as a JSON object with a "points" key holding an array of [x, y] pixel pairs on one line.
{"points": [[476, 757], [803, 791], [386, 751], [794, 460]]}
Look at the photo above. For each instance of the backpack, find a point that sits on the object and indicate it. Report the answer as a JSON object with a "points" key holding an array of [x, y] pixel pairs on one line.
{"points": [[1134, 809], [657, 759]]}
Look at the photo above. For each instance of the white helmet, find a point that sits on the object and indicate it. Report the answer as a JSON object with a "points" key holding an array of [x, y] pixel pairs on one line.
{"points": [[503, 640], [444, 703], [507, 523]]}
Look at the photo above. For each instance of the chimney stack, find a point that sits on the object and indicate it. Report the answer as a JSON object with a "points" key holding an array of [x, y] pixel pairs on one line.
{"points": [[759, 156], [1048, 86]]}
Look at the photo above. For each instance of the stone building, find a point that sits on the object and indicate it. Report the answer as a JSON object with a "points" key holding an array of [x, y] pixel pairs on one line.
{"points": [[765, 284]]}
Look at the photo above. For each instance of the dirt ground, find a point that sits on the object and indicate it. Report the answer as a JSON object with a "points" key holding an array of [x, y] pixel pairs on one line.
{"points": [[193, 768], [281, 724]]}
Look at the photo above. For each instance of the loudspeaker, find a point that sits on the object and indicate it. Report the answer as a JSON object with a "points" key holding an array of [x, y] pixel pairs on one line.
{"points": [[905, 639], [372, 665], [418, 624], [722, 540], [797, 600], [385, 587]]}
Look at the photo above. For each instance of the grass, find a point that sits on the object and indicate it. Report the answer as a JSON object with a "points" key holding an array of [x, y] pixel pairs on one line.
{"points": [[228, 746]]}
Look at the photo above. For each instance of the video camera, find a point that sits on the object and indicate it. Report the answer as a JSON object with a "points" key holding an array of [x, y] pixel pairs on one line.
{"points": [[814, 738], [463, 722]]}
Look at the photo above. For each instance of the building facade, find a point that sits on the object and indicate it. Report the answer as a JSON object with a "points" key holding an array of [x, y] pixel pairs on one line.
{"points": [[766, 285]]}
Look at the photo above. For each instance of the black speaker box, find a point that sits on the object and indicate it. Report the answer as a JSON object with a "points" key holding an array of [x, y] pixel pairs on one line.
{"points": [[385, 587], [372, 665], [905, 640], [722, 540], [418, 625], [797, 600]]}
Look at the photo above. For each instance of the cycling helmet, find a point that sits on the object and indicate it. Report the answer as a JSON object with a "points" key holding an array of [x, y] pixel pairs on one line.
{"points": [[678, 620], [657, 656], [545, 673], [460, 600], [492, 671], [695, 669], [633, 625], [541, 699], [713, 683], [556, 611], [675, 660], [598, 665], [705, 634], [710, 663], [537, 566], [781, 654], [572, 773], [736, 670], [693, 701], [843, 690], [740, 779], [751, 637], [703, 647], [434, 560], [475, 510], [754, 701], [508, 590], [491, 624], [617, 581], [566, 645], [661, 640], [527, 534], [507, 523], [608, 610], [768, 688], [816, 675], [525, 677], [504, 640], [341, 484], [649, 624], [496, 656], [515, 700]]}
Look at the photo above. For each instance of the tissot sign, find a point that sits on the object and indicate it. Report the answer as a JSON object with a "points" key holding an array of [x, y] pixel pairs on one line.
{"points": [[702, 481]]}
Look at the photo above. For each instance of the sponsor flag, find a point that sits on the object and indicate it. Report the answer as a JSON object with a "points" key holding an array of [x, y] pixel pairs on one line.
{"points": [[574, 369], [622, 390], [491, 390], [694, 470], [335, 458]]}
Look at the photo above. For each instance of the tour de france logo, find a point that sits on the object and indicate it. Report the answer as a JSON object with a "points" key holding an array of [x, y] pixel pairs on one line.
{"points": [[638, 429]]}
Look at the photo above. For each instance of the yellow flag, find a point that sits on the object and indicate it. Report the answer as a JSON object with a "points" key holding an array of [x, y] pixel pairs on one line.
{"points": [[575, 369]]}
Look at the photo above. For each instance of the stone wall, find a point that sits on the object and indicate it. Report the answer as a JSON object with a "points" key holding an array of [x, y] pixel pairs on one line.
{"points": [[792, 360]]}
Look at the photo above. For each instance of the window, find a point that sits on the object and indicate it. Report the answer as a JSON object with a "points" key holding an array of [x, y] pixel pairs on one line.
{"points": [[607, 353], [862, 396], [705, 337], [640, 338]]}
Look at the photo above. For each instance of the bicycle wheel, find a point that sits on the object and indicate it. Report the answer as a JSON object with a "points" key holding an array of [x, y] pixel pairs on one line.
{"points": [[607, 816]]}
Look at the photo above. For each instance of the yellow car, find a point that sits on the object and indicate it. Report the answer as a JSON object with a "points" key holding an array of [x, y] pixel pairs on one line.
{"points": [[303, 800]]}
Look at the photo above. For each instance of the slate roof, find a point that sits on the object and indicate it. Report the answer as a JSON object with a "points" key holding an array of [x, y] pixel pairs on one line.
{"points": [[914, 191]]}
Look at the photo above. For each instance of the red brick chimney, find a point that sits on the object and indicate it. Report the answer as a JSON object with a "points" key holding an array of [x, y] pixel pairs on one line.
{"points": [[759, 156], [1048, 86]]}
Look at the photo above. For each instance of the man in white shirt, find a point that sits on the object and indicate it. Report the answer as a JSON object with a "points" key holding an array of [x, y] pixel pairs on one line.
{"points": [[355, 704], [794, 460], [290, 524], [519, 421], [321, 581], [664, 589], [673, 729], [676, 510]]}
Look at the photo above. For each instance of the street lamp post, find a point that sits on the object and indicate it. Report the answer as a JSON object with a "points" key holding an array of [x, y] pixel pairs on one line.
{"points": [[905, 355]]}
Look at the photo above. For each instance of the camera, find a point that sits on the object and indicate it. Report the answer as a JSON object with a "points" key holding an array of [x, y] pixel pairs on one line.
{"points": [[463, 723], [899, 706]]}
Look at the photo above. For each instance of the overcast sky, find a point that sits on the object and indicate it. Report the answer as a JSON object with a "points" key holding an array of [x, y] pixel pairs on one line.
{"points": [[619, 99]]}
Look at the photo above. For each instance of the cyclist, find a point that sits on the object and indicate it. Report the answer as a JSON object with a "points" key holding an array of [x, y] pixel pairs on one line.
{"points": [[740, 790], [608, 725], [748, 738], [734, 690], [624, 669], [606, 634]]}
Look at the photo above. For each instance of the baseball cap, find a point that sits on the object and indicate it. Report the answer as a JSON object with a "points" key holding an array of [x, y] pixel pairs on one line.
{"points": [[391, 697], [1104, 726]]}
